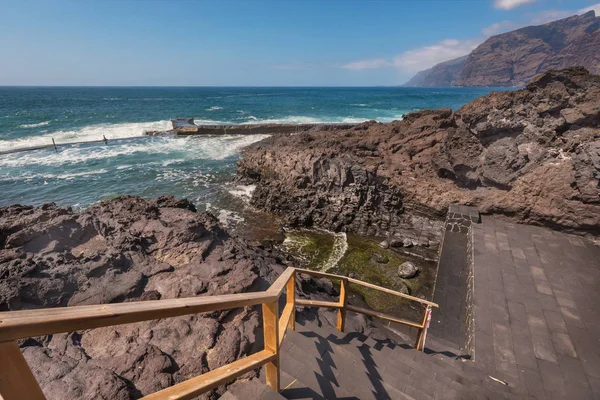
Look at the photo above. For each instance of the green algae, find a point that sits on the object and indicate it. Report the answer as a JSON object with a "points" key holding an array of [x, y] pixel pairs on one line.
{"points": [[312, 247], [363, 259]]}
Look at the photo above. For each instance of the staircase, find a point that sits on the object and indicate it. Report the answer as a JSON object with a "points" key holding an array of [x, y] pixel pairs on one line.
{"points": [[319, 362]]}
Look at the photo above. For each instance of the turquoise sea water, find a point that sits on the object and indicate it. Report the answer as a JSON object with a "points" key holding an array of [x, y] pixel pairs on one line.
{"points": [[200, 169]]}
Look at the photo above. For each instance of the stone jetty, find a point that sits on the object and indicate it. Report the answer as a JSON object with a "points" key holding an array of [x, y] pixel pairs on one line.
{"points": [[187, 127]]}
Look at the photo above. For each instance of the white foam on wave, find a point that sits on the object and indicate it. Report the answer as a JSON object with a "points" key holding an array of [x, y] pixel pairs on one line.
{"points": [[32, 176], [340, 247], [298, 119], [214, 108], [86, 134], [244, 192], [188, 148], [297, 243], [229, 218], [39, 124]]}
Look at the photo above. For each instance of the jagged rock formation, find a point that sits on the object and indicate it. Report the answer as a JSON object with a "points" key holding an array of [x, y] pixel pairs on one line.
{"points": [[532, 155], [514, 58], [442, 74], [128, 249]]}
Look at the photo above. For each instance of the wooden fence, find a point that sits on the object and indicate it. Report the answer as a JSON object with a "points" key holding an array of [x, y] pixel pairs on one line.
{"points": [[17, 381]]}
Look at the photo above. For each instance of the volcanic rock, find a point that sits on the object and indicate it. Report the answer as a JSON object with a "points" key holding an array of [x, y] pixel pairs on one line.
{"points": [[531, 155], [407, 270], [128, 249]]}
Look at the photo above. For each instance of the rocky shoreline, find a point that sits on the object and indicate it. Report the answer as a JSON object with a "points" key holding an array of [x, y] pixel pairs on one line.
{"points": [[129, 249], [531, 155]]}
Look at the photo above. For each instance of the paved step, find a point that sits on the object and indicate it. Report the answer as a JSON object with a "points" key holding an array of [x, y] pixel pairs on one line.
{"points": [[252, 389], [320, 362]]}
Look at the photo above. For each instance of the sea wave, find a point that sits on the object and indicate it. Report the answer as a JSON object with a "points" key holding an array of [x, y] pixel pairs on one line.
{"points": [[214, 108], [86, 134], [178, 149], [135, 129], [34, 125], [299, 119], [28, 177], [244, 192]]}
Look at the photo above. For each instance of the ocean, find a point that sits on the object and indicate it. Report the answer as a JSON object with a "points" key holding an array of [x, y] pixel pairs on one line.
{"points": [[199, 168]]}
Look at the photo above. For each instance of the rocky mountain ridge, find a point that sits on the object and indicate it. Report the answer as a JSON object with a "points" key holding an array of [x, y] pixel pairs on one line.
{"points": [[514, 58], [532, 155]]}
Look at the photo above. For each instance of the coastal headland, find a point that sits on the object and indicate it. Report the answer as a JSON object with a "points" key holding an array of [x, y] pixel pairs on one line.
{"points": [[530, 155]]}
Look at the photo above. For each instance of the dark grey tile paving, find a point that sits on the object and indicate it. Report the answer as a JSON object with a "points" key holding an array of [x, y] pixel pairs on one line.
{"points": [[541, 289]]}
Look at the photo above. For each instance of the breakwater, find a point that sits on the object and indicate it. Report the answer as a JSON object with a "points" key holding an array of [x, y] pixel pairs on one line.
{"points": [[186, 127]]}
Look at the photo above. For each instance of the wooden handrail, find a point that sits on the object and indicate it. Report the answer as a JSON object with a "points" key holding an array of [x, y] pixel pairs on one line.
{"points": [[383, 316], [29, 323], [318, 303], [191, 388], [277, 287], [18, 382], [286, 316], [342, 305], [366, 284]]}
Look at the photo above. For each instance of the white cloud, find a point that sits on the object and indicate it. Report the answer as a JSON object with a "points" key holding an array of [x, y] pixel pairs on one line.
{"points": [[415, 60], [425, 57], [366, 64], [595, 8], [510, 4]]}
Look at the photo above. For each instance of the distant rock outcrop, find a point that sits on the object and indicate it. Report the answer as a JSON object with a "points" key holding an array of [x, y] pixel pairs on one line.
{"points": [[442, 74], [532, 155], [514, 58]]}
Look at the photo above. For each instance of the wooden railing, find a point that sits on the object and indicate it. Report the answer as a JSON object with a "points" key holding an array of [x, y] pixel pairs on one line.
{"points": [[17, 381]]}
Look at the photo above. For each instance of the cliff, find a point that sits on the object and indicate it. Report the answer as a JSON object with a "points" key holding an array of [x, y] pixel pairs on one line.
{"points": [[532, 155], [514, 58], [442, 74]]}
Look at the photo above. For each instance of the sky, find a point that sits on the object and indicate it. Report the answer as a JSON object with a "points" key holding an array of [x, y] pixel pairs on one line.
{"points": [[252, 42]]}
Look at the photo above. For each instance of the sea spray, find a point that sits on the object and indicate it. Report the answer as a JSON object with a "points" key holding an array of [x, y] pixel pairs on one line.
{"points": [[340, 246], [85, 134], [319, 249], [243, 192]]}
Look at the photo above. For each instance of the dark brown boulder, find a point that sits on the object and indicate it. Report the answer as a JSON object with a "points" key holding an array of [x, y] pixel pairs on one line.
{"points": [[128, 249]]}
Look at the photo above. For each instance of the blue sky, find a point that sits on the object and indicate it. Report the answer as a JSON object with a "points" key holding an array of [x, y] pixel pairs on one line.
{"points": [[250, 43]]}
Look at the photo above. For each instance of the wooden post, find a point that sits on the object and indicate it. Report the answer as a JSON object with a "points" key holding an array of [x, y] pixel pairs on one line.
{"points": [[271, 333], [16, 379], [420, 345], [291, 299], [341, 319]]}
